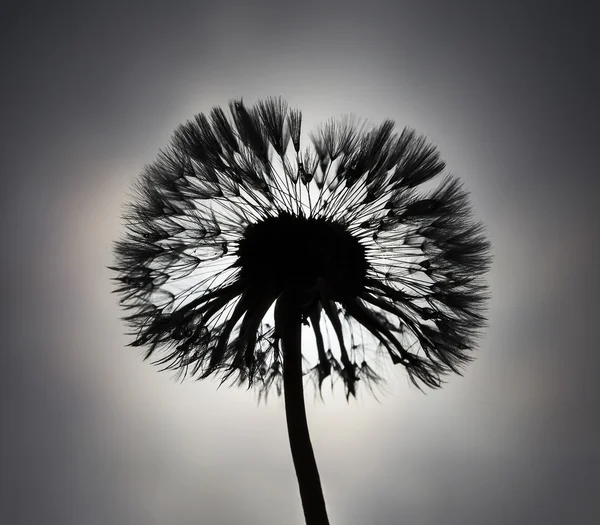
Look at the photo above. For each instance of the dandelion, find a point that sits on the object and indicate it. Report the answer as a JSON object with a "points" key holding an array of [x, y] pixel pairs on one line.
{"points": [[239, 240]]}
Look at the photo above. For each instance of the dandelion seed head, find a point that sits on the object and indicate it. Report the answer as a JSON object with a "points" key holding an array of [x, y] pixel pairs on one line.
{"points": [[237, 212]]}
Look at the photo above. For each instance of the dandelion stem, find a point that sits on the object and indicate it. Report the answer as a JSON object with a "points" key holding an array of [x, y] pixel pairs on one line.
{"points": [[311, 493]]}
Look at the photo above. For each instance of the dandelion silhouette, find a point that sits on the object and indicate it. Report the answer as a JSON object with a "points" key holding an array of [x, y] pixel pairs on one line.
{"points": [[237, 238]]}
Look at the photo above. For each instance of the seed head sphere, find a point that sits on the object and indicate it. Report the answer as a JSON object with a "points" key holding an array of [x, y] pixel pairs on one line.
{"points": [[235, 214]]}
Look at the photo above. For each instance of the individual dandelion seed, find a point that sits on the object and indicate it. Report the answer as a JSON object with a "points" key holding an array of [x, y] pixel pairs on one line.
{"points": [[238, 240]]}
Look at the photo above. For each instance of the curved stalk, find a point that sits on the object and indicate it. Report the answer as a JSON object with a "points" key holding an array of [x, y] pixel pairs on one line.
{"points": [[311, 493]]}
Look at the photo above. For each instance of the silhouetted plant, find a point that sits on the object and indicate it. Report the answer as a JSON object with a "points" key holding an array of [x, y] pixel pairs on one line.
{"points": [[236, 237]]}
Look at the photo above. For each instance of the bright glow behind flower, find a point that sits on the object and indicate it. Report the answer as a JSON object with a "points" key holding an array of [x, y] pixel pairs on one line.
{"points": [[235, 213]]}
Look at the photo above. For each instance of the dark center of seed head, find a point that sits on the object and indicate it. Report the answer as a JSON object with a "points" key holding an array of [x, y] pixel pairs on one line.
{"points": [[291, 253]]}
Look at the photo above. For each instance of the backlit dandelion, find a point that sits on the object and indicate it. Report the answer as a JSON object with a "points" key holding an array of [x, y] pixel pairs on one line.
{"points": [[239, 238]]}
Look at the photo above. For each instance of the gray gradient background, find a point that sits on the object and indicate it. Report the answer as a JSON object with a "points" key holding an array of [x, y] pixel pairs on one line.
{"points": [[92, 435]]}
